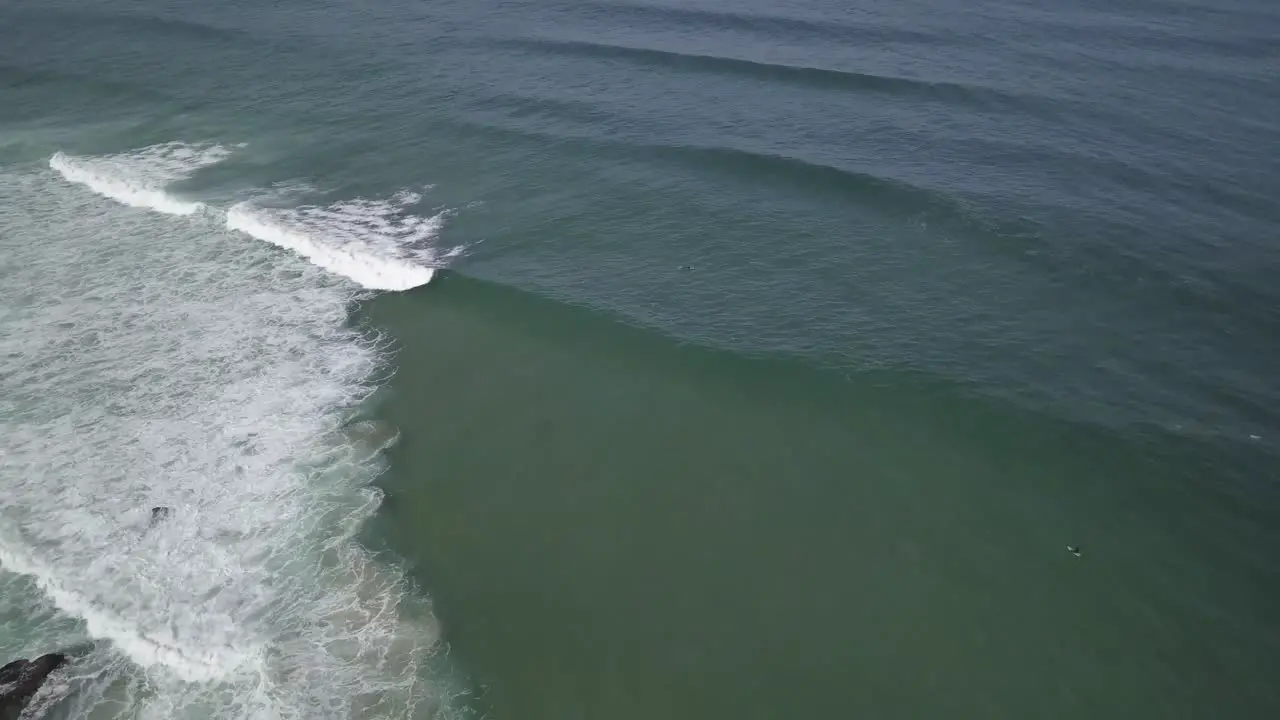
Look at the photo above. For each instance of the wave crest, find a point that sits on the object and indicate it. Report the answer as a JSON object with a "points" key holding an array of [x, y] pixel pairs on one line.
{"points": [[139, 178], [376, 243]]}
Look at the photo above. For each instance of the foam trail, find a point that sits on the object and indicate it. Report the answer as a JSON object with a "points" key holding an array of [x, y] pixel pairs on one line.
{"points": [[376, 243], [138, 178]]}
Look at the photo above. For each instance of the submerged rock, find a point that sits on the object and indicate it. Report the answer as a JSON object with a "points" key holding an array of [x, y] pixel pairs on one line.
{"points": [[20, 679]]}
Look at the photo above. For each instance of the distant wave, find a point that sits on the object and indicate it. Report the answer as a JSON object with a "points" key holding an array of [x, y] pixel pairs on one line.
{"points": [[139, 178], [884, 193], [128, 21], [376, 243], [772, 25], [785, 172], [757, 70]]}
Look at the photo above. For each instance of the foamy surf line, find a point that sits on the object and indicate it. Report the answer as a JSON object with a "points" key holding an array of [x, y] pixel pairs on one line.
{"points": [[378, 244], [151, 650], [139, 178], [351, 257]]}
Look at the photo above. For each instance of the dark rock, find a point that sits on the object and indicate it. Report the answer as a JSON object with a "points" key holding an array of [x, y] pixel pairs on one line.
{"points": [[20, 679], [158, 514]]}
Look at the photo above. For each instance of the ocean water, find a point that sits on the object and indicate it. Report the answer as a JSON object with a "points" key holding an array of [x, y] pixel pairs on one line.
{"points": [[641, 358]]}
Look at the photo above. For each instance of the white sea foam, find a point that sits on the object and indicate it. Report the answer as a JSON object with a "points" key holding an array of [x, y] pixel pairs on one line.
{"points": [[149, 647], [139, 177], [149, 361], [377, 243]]}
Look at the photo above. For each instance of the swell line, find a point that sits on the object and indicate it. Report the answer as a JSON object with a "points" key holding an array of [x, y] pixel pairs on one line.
{"points": [[816, 77], [787, 173], [769, 25], [128, 21]]}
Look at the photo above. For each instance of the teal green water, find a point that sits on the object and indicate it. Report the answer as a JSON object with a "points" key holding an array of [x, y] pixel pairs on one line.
{"points": [[775, 354], [617, 526]]}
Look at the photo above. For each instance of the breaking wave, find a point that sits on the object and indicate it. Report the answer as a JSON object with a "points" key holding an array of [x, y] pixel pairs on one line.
{"points": [[139, 178], [376, 243]]}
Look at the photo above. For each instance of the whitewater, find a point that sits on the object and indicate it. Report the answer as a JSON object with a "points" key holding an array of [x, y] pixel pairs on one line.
{"points": [[152, 353]]}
